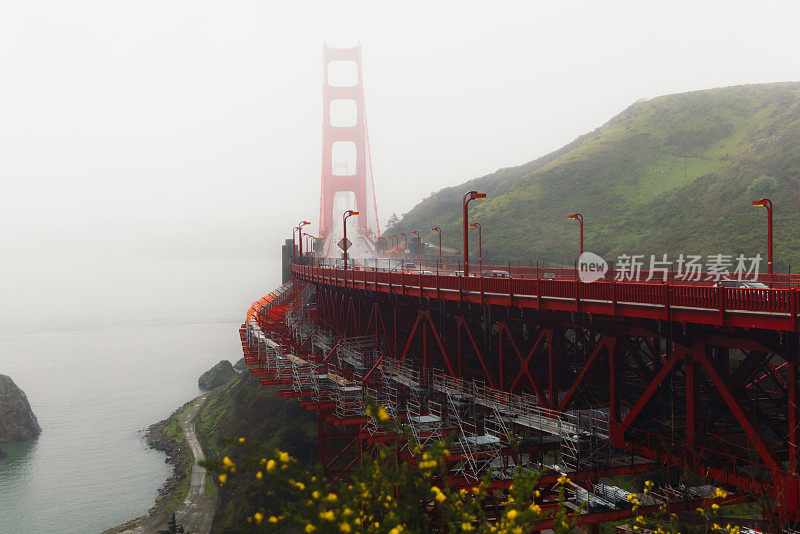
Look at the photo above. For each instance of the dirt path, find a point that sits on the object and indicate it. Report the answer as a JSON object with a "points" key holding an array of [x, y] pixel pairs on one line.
{"points": [[197, 511]]}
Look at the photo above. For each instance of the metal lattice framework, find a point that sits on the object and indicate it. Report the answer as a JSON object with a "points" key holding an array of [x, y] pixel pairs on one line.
{"points": [[523, 375]]}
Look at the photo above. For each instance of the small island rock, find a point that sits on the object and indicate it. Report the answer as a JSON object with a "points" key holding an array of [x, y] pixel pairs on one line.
{"points": [[217, 376], [17, 421]]}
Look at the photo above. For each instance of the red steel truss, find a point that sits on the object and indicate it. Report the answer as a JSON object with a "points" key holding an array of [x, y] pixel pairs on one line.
{"points": [[700, 382]]}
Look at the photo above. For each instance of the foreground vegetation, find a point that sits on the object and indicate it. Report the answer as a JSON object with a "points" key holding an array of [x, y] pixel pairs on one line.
{"points": [[387, 496], [246, 408]]}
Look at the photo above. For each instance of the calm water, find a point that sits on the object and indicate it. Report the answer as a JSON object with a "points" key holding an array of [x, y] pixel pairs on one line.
{"points": [[103, 349]]}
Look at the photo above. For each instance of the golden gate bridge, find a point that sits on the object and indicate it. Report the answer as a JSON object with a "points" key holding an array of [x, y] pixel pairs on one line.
{"points": [[693, 383]]}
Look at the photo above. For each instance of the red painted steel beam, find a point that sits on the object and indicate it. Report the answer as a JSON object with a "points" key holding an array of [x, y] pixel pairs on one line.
{"points": [[721, 383], [587, 366]]}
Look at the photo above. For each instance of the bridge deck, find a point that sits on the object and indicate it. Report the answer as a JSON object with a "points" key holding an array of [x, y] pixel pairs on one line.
{"points": [[771, 309]]}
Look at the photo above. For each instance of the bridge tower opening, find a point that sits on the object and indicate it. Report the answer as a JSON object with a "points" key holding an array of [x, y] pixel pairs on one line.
{"points": [[346, 162]]}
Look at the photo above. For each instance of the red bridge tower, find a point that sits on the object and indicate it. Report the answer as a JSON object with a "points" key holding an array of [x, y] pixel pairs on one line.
{"points": [[346, 140]]}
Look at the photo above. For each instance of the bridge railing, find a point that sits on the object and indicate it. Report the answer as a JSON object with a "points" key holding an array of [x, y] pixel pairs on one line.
{"points": [[701, 278], [772, 301]]}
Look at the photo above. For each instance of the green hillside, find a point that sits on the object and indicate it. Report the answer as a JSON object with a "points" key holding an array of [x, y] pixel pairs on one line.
{"points": [[675, 174]]}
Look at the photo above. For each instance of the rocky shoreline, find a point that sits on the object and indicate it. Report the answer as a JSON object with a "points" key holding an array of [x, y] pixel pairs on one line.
{"points": [[177, 456]]}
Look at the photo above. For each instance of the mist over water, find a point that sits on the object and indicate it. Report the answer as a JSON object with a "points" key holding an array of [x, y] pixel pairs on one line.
{"points": [[104, 348]]}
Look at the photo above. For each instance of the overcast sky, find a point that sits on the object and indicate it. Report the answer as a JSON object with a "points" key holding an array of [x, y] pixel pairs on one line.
{"points": [[178, 127]]}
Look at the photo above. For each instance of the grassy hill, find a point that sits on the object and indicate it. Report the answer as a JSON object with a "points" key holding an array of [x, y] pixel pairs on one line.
{"points": [[675, 174]]}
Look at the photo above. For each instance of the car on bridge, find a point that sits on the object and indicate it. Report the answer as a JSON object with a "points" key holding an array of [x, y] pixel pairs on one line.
{"points": [[494, 273], [741, 283]]}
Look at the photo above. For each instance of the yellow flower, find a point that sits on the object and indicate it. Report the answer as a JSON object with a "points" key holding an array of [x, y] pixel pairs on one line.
{"points": [[327, 516], [721, 493], [516, 530], [258, 516], [315, 494], [535, 508], [344, 527], [332, 497], [310, 529], [273, 519], [382, 415], [438, 496], [563, 479], [226, 462], [511, 514], [259, 475], [715, 507], [270, 465], [283, 456], [467, 527], [241, 440], [223, 478]]}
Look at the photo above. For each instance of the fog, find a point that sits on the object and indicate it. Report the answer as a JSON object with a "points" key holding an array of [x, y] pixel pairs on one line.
{"points": [[193, 129]]}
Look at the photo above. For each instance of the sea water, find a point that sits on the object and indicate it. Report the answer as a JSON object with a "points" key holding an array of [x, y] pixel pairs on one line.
{"points": [[104, 348]]}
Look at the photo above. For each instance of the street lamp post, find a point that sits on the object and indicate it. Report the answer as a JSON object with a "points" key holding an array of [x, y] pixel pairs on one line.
{"points": [[767, 203], [391, 242], [578, 217], [439, 230], [299, 228], [310, 243], [418, 243], [345, 215], [480, 245], [405, 244], [472, 195]]}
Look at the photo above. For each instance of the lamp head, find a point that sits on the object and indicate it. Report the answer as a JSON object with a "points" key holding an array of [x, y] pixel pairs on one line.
{"points": [[436, 229], [474, 194], [762, 202]]}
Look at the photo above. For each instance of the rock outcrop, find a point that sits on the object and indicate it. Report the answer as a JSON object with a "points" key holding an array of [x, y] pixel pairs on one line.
{"points": [[17, 421], [217, 376]]}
